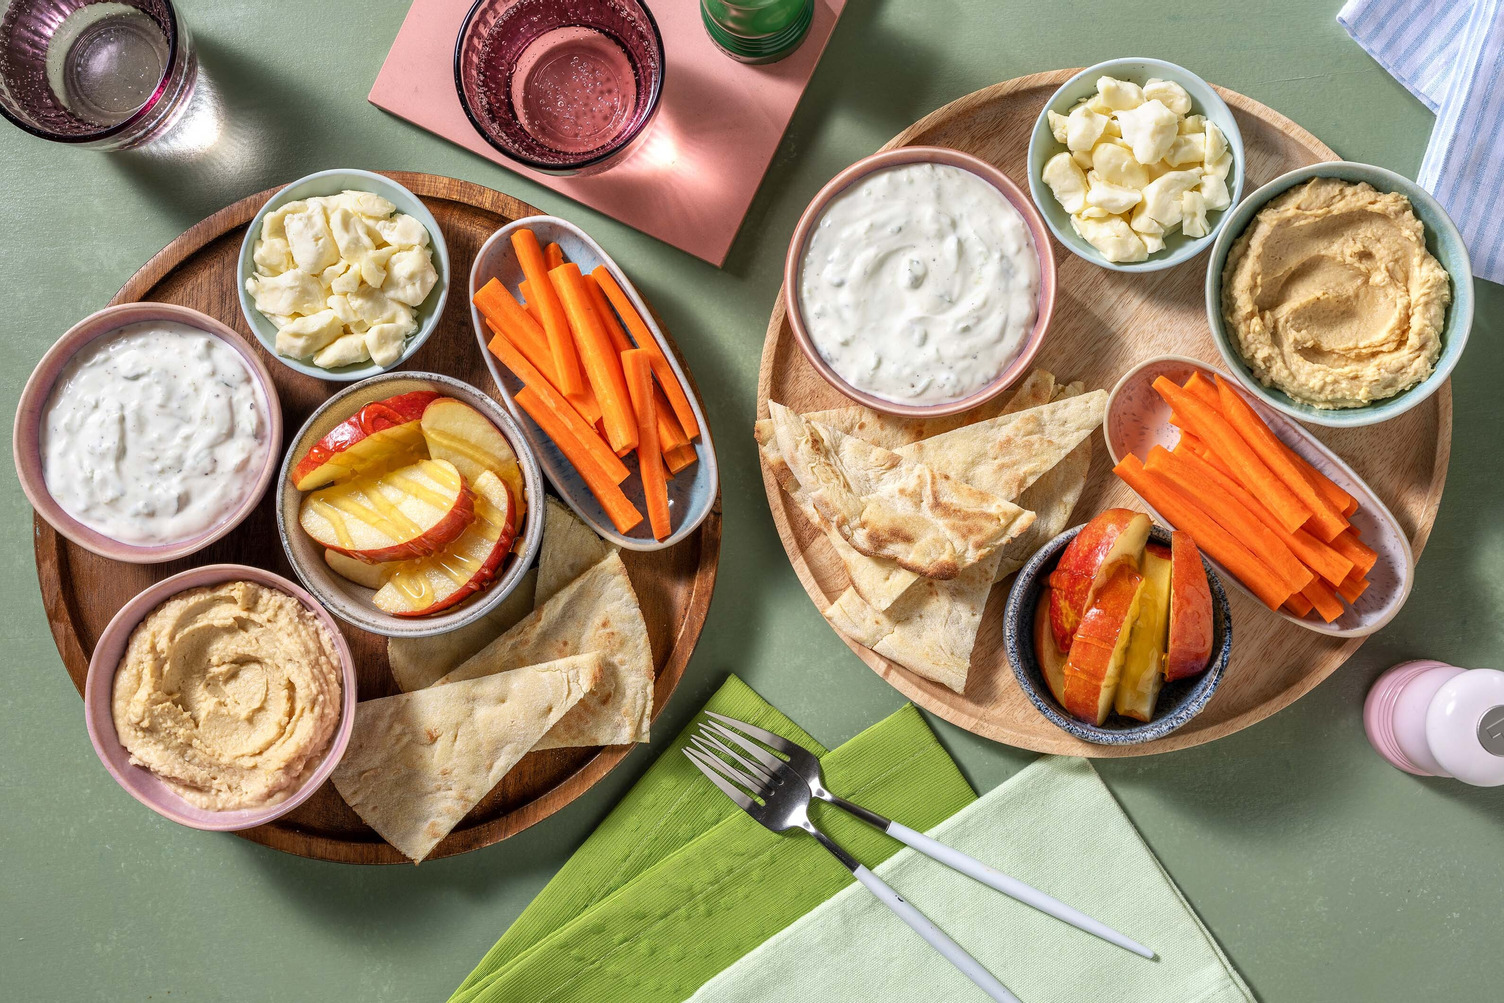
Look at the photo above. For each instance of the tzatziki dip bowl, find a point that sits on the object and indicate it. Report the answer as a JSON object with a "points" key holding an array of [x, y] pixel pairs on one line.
{"points": [[920, 281], [147, 432]]}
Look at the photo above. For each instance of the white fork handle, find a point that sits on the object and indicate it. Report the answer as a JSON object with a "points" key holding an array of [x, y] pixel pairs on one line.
{"points": [[935, 937], [1012, 887]]}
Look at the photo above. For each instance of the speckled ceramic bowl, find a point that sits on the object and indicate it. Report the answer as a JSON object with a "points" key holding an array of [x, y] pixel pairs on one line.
{"points": [[332, 183], [1042, 146], [1442, 240], [26, 438], [353, 603], [1178, 702], [794, 265], [145, 786]]}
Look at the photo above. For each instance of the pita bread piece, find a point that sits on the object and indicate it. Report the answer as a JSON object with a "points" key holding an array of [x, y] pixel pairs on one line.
{"points": [[598, 611], [885, 506], [1052, 499], [418, 762], [570, 548], [419, 661]]}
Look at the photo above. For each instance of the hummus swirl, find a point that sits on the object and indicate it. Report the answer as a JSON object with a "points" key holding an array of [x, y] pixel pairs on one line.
{"points": [[1332, 296], [230, 694]]}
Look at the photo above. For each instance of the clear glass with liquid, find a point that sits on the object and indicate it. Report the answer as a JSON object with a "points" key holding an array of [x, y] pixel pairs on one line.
{"points": [[106, 74]]}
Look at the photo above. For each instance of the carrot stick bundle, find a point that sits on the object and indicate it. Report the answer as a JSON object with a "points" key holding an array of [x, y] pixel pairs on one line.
{"points": [[555, 324], [552, 415], [645, 340], [1349, 546], [1323, 600], [638, 369], [602, 363]]}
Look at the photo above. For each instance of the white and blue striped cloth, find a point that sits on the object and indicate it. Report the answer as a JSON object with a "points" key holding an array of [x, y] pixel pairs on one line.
{"points": [[1450, 55]]}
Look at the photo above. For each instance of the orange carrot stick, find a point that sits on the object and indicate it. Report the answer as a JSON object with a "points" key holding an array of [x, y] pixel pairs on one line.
{"points": [[680, 457], [1349, 546], [552, 415], [1353, 587], [577, 426], [1186, 514], [555, 324], [606, 314], [602, 363], [529, 303], [543, 360], [1214, 430], [670, 435], [1335, 496], [1326, 521], [644, 338], [1231, 514], [1311, 552], [505, 313], [1323, 600], [1298, 604], [638, 368], [553, 256], [1205, 389]]}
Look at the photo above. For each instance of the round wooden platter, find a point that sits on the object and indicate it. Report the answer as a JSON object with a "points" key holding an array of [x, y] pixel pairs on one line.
{"points": [[81, 590], [1104, 323]]}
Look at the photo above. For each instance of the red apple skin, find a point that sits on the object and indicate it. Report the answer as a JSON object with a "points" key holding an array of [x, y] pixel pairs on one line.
{"points": [[1096, 655], [1116, 536], [1051, 659], [486, 573], [378, 416], [1191, 618]]}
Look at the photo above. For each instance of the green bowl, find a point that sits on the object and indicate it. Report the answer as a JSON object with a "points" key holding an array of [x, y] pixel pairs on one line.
{"points": [[1042, 146], [332, 183], [1442, 240]]}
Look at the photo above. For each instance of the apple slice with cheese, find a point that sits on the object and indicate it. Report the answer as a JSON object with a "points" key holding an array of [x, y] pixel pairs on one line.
{"points": [[372, 576], [396, 515], [1096, 656], [459, 433], [1114, 538], [1143, 665], [383, 433], [1051, 658], [1190, 643], [465, 567]]}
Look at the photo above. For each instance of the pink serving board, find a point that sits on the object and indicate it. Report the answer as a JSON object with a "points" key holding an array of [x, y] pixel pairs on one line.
{"points": [[692, 181]]}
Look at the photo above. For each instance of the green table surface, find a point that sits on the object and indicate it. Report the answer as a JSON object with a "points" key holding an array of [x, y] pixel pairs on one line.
{"points": [[1325, 873]]}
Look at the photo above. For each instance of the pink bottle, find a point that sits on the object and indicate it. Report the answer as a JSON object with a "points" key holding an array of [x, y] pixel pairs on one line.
{"points": [[1437, 720]]}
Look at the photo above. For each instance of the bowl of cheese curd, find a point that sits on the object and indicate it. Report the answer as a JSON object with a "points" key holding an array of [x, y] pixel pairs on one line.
{"points": [[920, 281], [147, 432]]}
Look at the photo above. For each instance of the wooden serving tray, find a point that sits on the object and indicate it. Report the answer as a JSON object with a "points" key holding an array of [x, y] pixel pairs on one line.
{"points": [[1105, 322], [82, 591]]}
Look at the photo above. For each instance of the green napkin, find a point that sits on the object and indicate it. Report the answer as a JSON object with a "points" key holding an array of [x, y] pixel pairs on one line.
{"points": [[677, 882], [1053, 825]]}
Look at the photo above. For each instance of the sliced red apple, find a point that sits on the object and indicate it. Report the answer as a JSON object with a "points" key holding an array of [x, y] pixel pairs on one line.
{"points": [[400, 514], [382, 433], [1143, 664], [1116, 537], [1096, 657], [1190, 644], [372, 576], [1051, 659], [457, 432], [465, 567]]}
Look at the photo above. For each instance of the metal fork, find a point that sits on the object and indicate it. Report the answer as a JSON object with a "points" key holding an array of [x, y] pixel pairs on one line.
{"points": [[782, 804], [802, 766]]}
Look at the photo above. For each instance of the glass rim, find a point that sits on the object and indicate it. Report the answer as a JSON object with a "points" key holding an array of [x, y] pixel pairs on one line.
{"points": [[135, 117], [622, 142]]}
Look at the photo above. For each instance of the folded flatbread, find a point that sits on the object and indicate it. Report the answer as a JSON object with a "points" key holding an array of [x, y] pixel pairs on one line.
{"points": [[598, 611], [570, 548], [419, 661], [885, 506], [1052, 498], [418, 762]]}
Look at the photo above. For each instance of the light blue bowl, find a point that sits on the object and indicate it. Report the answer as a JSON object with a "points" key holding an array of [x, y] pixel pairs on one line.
{"points": [[1042, 146], [332, 183], [1442, 240]]}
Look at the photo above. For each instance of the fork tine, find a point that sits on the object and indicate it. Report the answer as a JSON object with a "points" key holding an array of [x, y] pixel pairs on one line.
{"points": [[731, 792], [753, 776], [761, 734], [756, 751], [761, 771]]}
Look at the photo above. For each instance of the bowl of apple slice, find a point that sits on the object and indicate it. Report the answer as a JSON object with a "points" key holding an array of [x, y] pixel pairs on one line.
{"points": [[1118, 631], [409, 504]]}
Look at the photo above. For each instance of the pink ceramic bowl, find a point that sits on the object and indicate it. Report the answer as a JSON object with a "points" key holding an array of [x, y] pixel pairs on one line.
{"points": [[145, 786], [793, 264], [26, 439]]}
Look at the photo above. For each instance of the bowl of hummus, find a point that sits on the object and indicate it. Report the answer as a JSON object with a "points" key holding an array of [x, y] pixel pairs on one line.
{"points": [[221, 697], [1340, 294]]}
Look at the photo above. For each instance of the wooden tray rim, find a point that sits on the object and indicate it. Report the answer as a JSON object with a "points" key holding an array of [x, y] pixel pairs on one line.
{"points": [[914, 687]]}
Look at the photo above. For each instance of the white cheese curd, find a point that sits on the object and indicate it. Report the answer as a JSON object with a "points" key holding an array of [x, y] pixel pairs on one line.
{"points": [[919, 284], [154, 433]]}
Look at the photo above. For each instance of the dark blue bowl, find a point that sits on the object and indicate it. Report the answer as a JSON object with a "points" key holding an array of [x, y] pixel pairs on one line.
{"points": [[1178, 702]]}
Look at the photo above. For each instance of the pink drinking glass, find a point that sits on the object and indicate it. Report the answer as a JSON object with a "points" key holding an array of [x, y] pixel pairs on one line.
{"points": [[560, 86]]}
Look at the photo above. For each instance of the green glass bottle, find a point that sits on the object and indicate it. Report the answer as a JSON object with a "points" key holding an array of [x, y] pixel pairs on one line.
{"points": [[757, 31]]}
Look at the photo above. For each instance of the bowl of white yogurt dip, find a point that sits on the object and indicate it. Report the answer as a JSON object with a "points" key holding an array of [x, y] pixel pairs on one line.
{"points": [[147, 432], [920, 281]]}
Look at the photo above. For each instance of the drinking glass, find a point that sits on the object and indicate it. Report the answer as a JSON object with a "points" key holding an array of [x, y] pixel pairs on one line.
{"points": [[103, 74], [560, 86], [757, 31]]}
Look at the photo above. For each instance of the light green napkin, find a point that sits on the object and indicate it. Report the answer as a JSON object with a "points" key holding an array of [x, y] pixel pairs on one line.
{"points": [[1055, 826], [677, 882]]}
